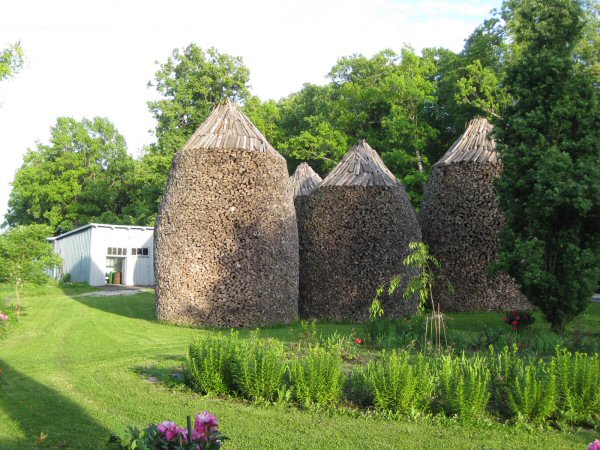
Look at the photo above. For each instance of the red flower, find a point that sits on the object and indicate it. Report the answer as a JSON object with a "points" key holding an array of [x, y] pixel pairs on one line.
{"points": [[358, 341], [515, 323]]}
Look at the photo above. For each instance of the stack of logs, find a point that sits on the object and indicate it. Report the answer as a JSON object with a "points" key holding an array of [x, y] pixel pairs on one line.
{"points": [[304, 182], [460, 219], [226, 240], [359, 222]]}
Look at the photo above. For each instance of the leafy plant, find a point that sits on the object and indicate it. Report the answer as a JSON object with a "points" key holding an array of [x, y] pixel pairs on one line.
{"points": [[532, 396], [169, 436], [518, 319], [209, 363], [401, 385], [464, 385], [318, 378], [259, 369]]}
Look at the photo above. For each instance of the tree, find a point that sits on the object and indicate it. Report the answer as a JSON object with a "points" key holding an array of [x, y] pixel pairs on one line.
{"points": [[25, 257], [549, 141], [11, 60], [81, 176], [191, 83]]}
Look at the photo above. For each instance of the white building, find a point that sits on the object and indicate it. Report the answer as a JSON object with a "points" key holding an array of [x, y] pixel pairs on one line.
{"points": [[90, 253]]}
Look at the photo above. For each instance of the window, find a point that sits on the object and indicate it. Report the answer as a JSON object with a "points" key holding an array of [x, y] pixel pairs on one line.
{"points": [[116, 251], [140, 251]]}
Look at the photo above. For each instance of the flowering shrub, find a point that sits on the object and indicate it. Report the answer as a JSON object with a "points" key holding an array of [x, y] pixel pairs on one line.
{"points": [[594, 445], [170, 436], [518, 319], [3, 325]]}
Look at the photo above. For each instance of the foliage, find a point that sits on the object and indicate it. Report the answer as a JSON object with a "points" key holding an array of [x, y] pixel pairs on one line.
{"points": [[518, 319], [549, 141], [25, 257], [402, 384], [210, 364], [259, 369], [532, 396], [464, 385], [11, 60], [317, 379], [83, 175], [169, 436]]}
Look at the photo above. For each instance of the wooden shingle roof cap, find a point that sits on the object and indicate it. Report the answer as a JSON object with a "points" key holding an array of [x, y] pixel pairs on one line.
{"points": [[361, 166], [228, 128], [474, 145], [304, 180]]}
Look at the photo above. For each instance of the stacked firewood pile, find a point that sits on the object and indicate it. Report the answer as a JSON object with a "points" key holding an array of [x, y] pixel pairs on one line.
{"points": [[226, 240], [304, 181], [460, 219], [356, 236]]}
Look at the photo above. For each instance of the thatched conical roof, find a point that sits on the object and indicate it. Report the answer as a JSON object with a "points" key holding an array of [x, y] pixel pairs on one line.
{"points": [[304, 180], [359, 222], [474, 145], [228, 128], [460, 220], [361, 166], [226, 239]]}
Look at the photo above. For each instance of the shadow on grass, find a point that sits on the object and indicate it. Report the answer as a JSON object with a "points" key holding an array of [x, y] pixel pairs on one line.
{"points": [[139, 306], [37, 408]]}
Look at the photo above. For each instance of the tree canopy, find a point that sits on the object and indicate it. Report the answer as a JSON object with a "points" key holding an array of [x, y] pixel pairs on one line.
{"points": [[11, 60]]}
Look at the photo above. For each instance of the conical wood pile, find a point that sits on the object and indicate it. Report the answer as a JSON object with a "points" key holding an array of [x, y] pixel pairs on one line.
{"points": [[304, 182], [226, 251], [357, 230], [460, 219]]}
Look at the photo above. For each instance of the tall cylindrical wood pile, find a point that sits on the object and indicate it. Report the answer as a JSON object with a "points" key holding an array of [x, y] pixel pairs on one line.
{"points": [[460, 219], [357, 230], [226, 240], [304, 182]]}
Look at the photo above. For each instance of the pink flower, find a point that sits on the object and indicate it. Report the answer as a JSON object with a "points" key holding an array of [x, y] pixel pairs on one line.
{"points": [[594, 445], [515, 323], [358, 341], [3, 317], [172, 431], [204, 424]]}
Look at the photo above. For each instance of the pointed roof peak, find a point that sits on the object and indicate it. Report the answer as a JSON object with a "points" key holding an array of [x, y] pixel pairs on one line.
{"points": [[474, 145], [360, 166], [304, 180], [228, 128]]}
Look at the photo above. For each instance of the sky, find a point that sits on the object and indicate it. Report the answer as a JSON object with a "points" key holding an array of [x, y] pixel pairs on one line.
{"points": [[88, 58]]}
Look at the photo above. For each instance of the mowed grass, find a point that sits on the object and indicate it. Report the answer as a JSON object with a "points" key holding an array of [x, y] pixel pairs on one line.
{"points": [[71, 370]]}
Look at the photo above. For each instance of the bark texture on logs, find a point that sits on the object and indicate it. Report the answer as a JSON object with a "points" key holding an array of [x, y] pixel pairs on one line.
{"points": [[460, 220], [226, 241], [304, 181], [359, 222]]}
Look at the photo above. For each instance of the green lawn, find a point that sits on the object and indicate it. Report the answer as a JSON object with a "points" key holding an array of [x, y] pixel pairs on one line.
{"points": [[72, 371]]}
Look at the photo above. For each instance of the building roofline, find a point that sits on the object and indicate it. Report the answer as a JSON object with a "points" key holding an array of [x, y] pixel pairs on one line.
{"points": [[99, 225]]}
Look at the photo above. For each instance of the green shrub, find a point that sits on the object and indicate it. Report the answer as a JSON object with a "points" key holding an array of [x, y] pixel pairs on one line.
{"points": [[401, 385], [504, 367], [464, 385], [578, 383], [209, 363], [359, 389], [318, 378], [259, 369], [532, 397]]}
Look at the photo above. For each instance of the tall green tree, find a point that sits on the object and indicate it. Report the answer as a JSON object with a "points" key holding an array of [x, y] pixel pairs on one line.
{"points": [[25, 257], [11, 60], [191, 83], [81, 176], [549, 140]]}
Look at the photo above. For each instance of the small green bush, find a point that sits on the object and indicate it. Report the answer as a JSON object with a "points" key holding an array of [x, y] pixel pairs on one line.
{"points": [[359, 388], [259, 369], [532, 397], [318, 379], [578, 386], [400, 384], [209, 364], [464, 385]]}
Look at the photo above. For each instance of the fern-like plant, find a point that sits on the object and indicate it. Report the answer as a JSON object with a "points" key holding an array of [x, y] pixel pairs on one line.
{"points": [[401, 385], [533, 394], [318, 378], [464, 385], [259, 369]]}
